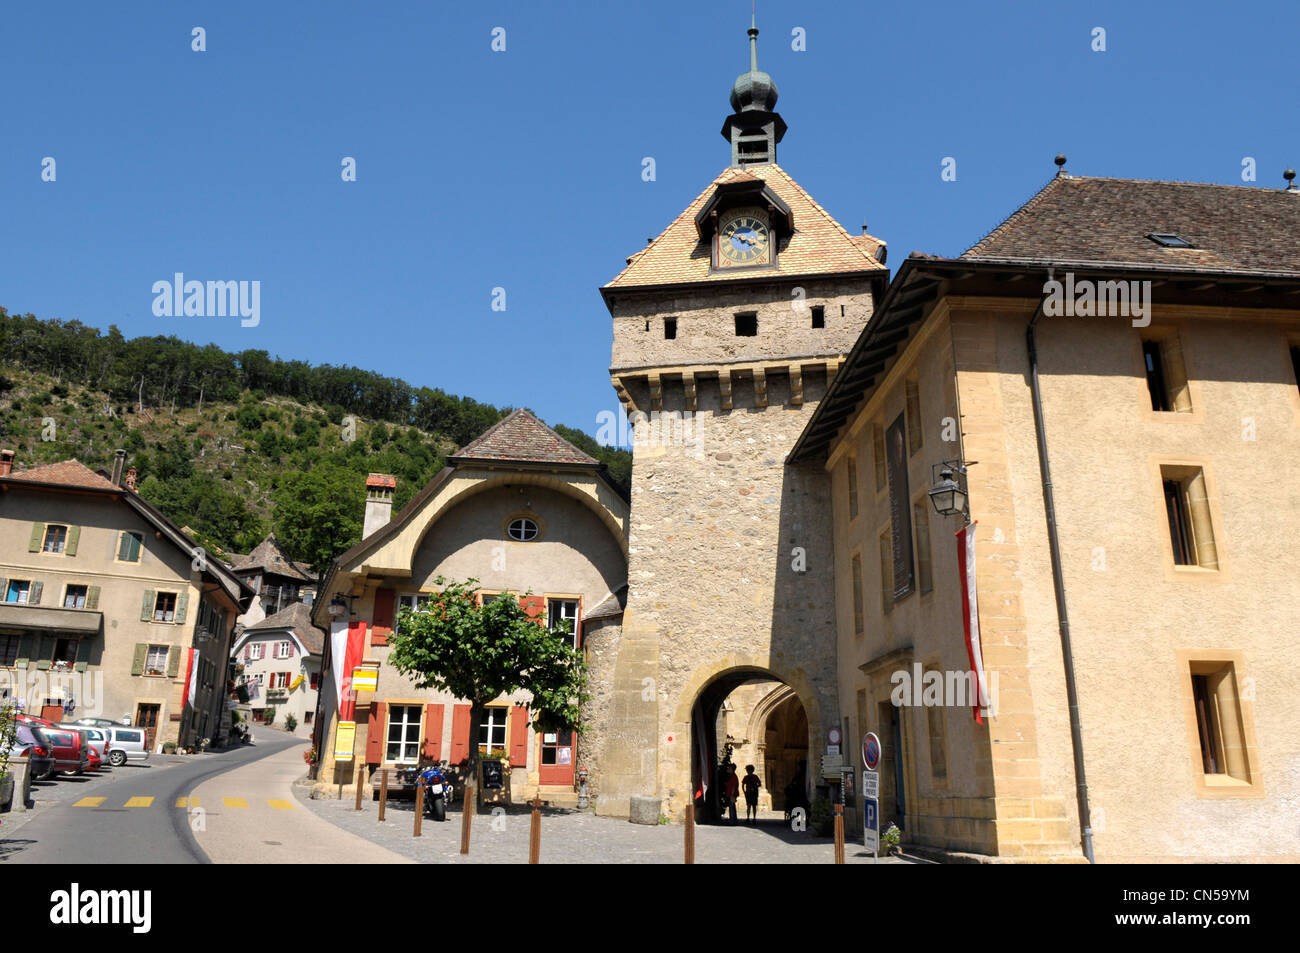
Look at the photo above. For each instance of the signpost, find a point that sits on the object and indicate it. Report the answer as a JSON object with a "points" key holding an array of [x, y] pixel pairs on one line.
{"points": [[871, 794]]}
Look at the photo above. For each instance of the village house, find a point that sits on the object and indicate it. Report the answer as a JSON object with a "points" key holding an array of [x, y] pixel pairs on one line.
{"points": [[280, 658], [109, 610]]}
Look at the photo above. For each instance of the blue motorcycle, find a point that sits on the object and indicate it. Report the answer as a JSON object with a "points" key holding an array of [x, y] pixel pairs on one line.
{"points": [[438, 789]]}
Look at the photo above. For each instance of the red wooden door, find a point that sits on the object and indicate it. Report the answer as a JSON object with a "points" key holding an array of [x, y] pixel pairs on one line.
{"points": [[556, 763]]}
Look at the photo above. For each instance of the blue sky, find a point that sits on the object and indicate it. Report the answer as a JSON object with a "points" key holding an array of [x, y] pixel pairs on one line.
{"points": [[522, 169]]}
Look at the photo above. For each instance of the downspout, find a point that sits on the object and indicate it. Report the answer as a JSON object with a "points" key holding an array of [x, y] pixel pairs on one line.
{"points": [[1058, 581]]}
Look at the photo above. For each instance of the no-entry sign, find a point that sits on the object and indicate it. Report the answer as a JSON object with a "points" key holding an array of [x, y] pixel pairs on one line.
{"points": [[870, 750]]}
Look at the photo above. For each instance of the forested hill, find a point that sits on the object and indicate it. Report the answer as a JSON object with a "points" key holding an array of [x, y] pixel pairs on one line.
{"points": [[234, 445]]}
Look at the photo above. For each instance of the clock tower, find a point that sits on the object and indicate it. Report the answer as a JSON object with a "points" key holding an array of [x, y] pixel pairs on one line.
{"points": [[729, 328]]}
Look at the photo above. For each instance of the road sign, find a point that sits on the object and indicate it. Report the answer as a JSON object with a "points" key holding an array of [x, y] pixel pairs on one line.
{"points": [[870, 750], [871, 825], [343, 739], [365, 679], [871, 784], [833, 736]]}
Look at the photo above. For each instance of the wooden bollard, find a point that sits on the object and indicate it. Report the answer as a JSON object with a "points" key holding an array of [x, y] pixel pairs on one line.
{"points": [[419, 807], [839, 833], [467, 811], [358, 775], [383, 792], [535, 831], [688, 828]]}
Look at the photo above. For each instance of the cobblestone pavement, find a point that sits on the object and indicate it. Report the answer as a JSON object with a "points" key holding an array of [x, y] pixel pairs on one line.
{"points": [[577, 837]]}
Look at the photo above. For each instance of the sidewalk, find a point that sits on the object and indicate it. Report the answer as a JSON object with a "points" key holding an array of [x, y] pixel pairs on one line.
{"points": [[266, 825]]}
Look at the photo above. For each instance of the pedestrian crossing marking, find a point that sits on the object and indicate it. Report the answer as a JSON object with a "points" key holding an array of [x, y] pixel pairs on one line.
{"points": [[280, 805], [234, 802], [90, 802], [187, 802], [139, 802]]}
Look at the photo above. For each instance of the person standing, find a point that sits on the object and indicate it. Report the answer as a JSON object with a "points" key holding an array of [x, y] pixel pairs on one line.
{"points": [[731, 791], [751, 784]]}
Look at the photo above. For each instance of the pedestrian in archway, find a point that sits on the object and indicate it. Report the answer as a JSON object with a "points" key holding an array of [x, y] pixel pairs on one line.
{"points": [[751, 784], [731, 791]]}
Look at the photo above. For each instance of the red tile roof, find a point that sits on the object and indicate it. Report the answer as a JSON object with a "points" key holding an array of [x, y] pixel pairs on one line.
{"points": [[819, 245], [68, 473], [521, 437], [382, 480]]}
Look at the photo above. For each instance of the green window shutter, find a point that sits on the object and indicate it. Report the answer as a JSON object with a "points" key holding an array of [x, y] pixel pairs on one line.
{"points": [[34, 594], [83, 654], [128, 549], [137, 662], [74, 537], [182, 605], [173, 661], [47, 652], [92, 597], [38, 537], [26, 651], [4, 592], [146, 607]]}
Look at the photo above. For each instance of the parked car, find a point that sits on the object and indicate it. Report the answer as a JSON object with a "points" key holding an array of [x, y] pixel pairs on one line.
{"points": [[96, 740], [126, 744], [97, 722], [31, 743], [71, 754]]}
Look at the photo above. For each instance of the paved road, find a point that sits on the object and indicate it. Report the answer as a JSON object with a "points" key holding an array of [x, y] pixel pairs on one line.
{"points": [[136, 814]]}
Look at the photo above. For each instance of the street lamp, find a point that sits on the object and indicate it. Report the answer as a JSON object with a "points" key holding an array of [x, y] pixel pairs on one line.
{"points": [[338, 605], [949, 491]]}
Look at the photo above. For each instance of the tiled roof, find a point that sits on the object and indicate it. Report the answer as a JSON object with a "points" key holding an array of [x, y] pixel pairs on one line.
{"points": [[819, 245], [382, 480], [1107, 221], [270, 558], [67, 473], [521, 437], [298, 618]]}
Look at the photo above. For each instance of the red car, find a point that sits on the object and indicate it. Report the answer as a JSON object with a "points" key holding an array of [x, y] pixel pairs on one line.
{"points": [[95, 739], [71, 753]]}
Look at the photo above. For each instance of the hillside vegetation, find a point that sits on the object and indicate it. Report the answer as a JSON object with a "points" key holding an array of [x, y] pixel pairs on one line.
{"points": [[234, 445]]}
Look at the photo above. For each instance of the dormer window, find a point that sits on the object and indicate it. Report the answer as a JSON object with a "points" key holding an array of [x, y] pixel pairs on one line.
{"points": [[1169, 240]]}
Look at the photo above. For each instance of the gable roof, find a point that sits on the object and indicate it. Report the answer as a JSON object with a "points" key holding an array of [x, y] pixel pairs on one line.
{"points": [[1107, 221], [819, 245], [270, 558], [295, 619], [522, 438], [68, 473]]}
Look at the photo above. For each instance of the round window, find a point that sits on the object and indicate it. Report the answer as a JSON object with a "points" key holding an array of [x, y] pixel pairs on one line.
{"points": [[522, 530]]}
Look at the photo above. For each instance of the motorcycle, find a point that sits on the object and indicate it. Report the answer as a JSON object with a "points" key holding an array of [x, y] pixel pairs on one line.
{"points": [[439, 790]]}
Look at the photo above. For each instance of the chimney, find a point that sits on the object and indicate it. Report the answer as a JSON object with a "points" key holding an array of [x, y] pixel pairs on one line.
{"points": [[119, 461], [379, 502], [130, 480], [6, 462]]}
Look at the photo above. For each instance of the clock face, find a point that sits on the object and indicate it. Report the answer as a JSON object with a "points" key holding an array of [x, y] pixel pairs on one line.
{"points": [[744, 239]]}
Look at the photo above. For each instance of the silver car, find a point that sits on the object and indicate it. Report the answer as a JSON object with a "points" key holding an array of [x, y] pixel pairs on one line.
{"points": [[126, 744], [96, 738]]}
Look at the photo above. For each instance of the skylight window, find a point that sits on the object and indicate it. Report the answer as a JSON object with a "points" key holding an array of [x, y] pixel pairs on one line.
{"points": [[1169, 240]]}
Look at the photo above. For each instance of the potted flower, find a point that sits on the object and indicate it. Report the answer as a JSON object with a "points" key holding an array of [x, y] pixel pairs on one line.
{"points": [[311, 756], [891, 840]]}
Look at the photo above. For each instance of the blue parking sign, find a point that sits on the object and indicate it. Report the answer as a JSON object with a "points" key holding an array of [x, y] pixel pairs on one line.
{"points": [[871, 825], [873, 819]]}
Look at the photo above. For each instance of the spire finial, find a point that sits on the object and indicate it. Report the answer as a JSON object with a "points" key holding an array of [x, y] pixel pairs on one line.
{"points": [[753, 39]]}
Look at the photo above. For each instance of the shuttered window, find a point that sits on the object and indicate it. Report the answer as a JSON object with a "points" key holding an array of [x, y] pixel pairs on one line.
{"points": [[129, 546], [18, 590], [9, 650], [156, 660], [492, 731], [56, 538], [403, 745], [75, 597]]}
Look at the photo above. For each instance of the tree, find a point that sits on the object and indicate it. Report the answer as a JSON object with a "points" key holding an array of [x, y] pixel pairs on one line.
{"points": [[481, 652], [318, 513]]}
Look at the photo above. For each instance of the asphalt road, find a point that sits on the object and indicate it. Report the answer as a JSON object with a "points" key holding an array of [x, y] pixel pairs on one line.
{"points": [[131, 817]]}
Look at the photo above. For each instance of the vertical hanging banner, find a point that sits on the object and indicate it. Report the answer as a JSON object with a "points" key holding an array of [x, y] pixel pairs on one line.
{"points": [[970, 616], [347, 644], [192, 678]]}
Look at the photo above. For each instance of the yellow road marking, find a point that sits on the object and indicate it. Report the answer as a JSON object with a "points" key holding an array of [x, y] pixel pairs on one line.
{"points": [[280, 805], [89, 802], [234, 802], [139, 802], [187, 802]]}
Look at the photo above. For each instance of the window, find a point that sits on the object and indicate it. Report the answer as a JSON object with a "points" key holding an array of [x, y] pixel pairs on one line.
{"points": [[934, 725], [1166, 376], [522, 530], [670, 328], [156, 661], [75, 597], [853, 487], [1169, 240], [279, 679], [1220, 731], [255, 651], [747, 324], [886, 575], [19, 590], [307, 716], [818, 316], [164, 608], [412, 601], [315, 681], [492, 731], [559, 611], [924, 572], [914, 435], [56, 538], [403, 734], [282, 650], [486, 598], [9, 650], [900, 509], [858, 626], [129, 546], [65, 650], [878, 453], [1187, 511]]}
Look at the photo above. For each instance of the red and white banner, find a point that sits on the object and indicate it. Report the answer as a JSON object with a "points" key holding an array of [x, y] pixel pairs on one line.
{"points": [[192, 678], [347, 646], [970, 616]]}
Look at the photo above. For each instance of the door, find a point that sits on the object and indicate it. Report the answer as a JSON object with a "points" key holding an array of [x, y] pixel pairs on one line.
{"points": [[146, 717], [556, 766]]}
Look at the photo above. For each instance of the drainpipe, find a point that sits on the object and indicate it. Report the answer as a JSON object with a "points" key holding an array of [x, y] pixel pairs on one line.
{"points": [[1058, 581]]}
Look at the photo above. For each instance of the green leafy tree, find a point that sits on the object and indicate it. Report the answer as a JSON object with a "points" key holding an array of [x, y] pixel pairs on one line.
{"points": [[481, 652], [318, 513]]}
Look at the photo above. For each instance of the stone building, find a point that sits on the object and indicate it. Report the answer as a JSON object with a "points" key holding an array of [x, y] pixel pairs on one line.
{"points": [[278, 581], [109, 610], [529, 516], [1111, 376]]}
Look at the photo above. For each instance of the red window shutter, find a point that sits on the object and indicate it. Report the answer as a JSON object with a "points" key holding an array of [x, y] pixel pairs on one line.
{"points": [[290, 655], [433, 732], [459, 733], [385, 600], [534, 606], [375, 727], [248, 651], [518, 736]]}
